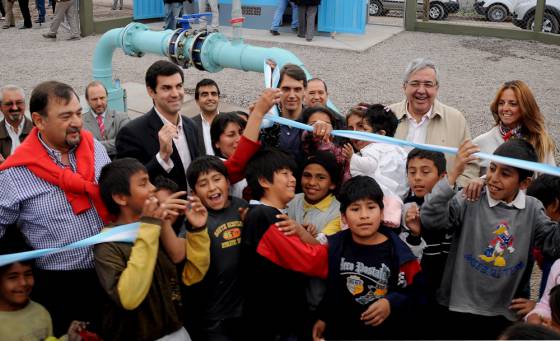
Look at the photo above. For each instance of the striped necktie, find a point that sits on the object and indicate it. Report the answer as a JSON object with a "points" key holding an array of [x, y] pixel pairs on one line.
{"points": [[101, 126]]}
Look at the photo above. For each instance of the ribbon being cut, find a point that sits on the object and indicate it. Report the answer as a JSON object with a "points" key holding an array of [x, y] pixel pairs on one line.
{"points": [[127, 233]]}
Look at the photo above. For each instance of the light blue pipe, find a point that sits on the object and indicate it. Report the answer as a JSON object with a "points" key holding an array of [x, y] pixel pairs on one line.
{"points": [[135, 40], [212, 53], [219, 53]]}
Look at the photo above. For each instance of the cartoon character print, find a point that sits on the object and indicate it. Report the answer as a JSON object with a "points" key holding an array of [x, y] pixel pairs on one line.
{"points": [[498, 245], [355, 285]]}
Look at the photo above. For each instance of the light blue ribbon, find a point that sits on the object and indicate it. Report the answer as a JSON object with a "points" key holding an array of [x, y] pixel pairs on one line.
{"points": [[371, 137], [128, 233], [124, 233]]}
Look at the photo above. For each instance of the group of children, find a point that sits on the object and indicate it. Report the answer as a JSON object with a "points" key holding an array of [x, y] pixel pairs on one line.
{"points": [[381, 243]]}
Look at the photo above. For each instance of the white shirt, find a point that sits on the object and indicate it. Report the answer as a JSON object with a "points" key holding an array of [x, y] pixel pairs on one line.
{"points": [[180, 142], [518, 202], [206, 135], [384, 162], [15, 135], [417, 130], [102, 115]]}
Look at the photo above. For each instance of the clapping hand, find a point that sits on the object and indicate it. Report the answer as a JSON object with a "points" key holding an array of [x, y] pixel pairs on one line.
{"points": [[165, 136]]}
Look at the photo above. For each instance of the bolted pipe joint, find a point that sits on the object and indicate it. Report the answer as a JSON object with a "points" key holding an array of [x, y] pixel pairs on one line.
{"points": [[205, 51]]}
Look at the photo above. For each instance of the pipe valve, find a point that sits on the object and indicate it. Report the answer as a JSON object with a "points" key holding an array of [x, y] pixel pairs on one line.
{"points": [[188, 19]]}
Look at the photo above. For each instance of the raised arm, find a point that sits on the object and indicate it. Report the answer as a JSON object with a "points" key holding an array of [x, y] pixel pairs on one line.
{"points": [[472, 169], [249, 145]]}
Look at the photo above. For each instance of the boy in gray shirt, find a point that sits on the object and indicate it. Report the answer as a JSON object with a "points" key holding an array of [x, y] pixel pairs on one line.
{"points": [[492, 237]]}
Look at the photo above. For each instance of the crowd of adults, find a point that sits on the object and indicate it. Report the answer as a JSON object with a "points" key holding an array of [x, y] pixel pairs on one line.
{"points": [[49, 189]]}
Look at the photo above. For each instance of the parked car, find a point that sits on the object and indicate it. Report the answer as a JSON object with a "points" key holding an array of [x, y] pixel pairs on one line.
{"points": [[524, 15], [495, 10], [439, 9]]}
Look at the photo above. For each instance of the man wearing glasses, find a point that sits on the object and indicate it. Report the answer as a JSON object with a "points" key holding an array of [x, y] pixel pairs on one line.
{"points": [[424, 119], [15, 127]]}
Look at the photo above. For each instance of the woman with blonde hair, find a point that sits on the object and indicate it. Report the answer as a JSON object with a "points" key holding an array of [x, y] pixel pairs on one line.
{"points": [[517, 115]]}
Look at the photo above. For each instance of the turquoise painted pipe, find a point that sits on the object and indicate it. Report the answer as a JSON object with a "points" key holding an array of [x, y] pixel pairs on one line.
{"points": [[135, 40], [214, 53]]}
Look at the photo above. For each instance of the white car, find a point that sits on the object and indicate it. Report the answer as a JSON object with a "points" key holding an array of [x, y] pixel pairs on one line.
{"points": [[495, 10], [439, 9], [524, 15]]}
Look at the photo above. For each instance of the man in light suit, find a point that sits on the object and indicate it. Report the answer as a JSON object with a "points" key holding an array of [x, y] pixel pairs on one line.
{"points": [[162, 139], [424, 119], [103, 123]]}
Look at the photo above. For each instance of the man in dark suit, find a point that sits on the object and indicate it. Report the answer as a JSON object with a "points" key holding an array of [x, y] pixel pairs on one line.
{"points": [[162, 139], [102, 122], [207, 97]]}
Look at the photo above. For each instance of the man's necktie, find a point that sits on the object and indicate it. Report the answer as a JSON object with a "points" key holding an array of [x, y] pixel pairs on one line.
{"points": [[101, 125]]}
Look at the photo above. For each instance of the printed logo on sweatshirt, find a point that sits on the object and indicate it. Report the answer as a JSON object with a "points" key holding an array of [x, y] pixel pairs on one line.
{"points": [[229, 233], [491, 271], [366, 284], [499, 246], [492, 262]]}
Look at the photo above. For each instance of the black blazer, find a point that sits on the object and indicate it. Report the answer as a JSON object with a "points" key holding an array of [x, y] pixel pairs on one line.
{"points": [[139, 139], [198, 123]]}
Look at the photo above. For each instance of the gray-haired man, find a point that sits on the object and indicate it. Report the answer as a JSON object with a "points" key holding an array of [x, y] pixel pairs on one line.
{"points": [[423, 119], [15, 127]]}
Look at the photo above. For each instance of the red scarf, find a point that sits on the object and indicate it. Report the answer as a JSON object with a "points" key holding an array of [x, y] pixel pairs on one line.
{"points": [[78, 187]]}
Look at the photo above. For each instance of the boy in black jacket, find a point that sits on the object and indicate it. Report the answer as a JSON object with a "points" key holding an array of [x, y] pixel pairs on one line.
{"points": [[275, 301], [370, 272]]}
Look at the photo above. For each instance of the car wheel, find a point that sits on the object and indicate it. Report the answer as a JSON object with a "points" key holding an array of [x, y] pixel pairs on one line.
{"points": [[497, 13], [375, 8], [550, 23], [437, 12]]}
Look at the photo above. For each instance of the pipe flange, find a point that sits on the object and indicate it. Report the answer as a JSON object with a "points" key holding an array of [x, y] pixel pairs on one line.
{"points": [[207, 49], [176, 48], [196, 48], [126, 41]]}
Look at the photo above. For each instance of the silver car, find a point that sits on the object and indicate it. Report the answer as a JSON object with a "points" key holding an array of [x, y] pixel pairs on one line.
{"points": [[439, 9], [524, 15]]}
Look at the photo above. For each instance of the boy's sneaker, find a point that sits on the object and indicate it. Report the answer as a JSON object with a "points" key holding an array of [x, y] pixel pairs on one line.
{"points": [[274, 33], [49, 35], [74, 38]]}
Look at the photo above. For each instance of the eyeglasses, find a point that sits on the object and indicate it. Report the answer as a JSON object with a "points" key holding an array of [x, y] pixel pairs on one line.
{"points": [[426, 84], [11, 104]]}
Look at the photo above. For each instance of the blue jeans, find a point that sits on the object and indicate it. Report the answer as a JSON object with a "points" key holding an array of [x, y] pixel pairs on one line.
{"points": [[41, 8], [277, 20], [172, 11]]}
